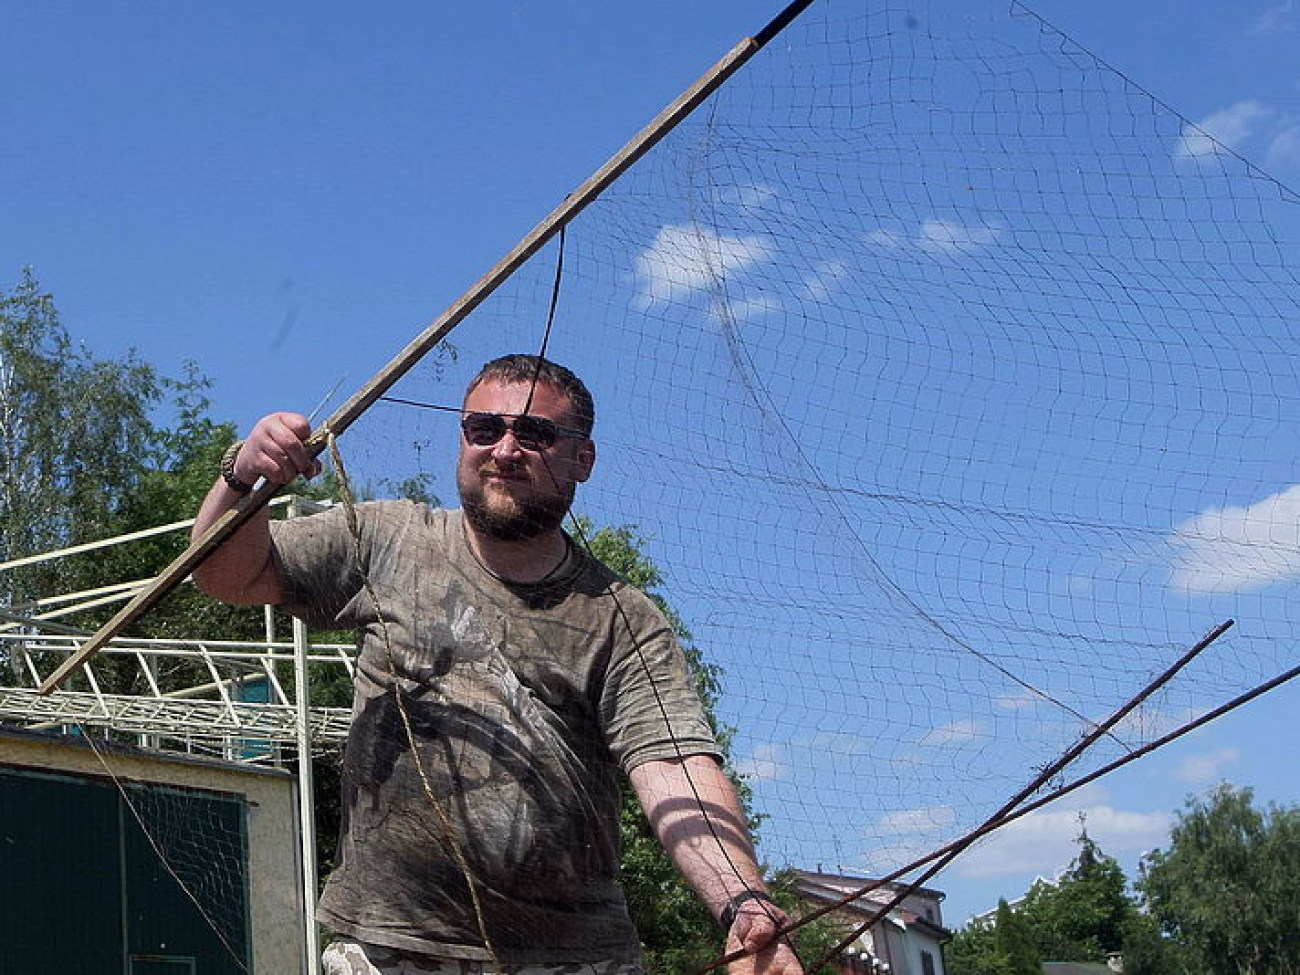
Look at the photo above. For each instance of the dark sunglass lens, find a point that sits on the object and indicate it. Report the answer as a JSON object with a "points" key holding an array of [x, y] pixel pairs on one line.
{"points": [[483, 429], [534, 432]]}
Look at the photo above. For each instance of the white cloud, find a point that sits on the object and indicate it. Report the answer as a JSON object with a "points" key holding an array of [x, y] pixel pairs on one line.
{"points": [[765, 763], [1275, 20], [1043, 842], [837, 743], [886, 857], [1207, 767], [1236, 549], [687, 259], [1284, 150], [888, 239], [953, 733], [947, 237], [823, 280], [911, 833], [1019, 701], [938, 237], [1147, 723], [750, 196], [745, 309], [1228, 127], [921, 820]]}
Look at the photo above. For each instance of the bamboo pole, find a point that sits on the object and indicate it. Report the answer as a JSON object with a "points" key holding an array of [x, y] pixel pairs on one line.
{"points": [[434, 333]]}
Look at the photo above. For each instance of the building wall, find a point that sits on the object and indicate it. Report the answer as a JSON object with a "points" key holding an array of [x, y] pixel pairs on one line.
{"points": [[275, 902]]}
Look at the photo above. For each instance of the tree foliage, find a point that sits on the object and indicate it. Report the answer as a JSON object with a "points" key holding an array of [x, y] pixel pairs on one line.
{"points": [[93, 448], [1081, 917], [1228, 887], [973, 949], [1015, 952], [1003, 946], [75, 435], [1221, 899]]}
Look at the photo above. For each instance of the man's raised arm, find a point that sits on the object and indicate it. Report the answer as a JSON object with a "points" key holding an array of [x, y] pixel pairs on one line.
{"points": [[241, 570]]}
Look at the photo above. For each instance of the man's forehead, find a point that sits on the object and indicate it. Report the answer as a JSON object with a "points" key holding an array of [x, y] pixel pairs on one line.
{"points": [[504, 396]]}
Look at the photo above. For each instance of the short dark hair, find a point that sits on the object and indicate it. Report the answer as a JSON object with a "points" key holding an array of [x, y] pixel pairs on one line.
{"points": [[522, 368]]}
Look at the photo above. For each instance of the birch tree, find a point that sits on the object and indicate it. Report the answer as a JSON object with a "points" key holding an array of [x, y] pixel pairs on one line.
{"points": [[74, 435]]}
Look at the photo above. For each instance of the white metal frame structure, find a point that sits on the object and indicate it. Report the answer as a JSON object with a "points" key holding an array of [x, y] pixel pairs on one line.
{"points": [[210, 716]]}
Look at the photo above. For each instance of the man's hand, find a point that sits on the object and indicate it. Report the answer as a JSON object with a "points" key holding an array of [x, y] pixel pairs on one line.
{"points": [[754, 931], [275, 449], [241, 570]]}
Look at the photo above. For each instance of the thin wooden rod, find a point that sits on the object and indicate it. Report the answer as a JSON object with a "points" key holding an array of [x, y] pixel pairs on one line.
{"points": [[1022, 811], [1046, 775], [364, 398], [1004, 815]]}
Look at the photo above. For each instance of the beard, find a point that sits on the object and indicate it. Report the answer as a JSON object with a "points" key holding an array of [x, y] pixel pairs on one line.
{"points": [[510, 519]]}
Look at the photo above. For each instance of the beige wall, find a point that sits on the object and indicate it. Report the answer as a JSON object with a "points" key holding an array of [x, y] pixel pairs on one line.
{"points": [[273, 834]]}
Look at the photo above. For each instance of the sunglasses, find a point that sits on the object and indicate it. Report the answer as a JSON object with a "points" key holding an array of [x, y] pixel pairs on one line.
{"points": [[531, 432]]}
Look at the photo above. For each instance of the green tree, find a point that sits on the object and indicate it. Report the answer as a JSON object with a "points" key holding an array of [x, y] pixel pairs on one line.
{"points": [[1148, 952], [93, 448], [75, 435], [83, 458], [1081, 917], [973, 950], [1014, 950], [1228, 886]]}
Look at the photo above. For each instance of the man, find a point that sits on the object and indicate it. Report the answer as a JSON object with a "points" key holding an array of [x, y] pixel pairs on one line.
{"points": [[504, 677]]}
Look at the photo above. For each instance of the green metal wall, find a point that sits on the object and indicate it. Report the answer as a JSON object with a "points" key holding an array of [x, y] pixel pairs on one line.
{"points": [[84, 889]]}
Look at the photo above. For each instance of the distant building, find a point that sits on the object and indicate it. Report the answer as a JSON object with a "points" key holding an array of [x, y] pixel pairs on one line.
{"points": [[908, 940]]}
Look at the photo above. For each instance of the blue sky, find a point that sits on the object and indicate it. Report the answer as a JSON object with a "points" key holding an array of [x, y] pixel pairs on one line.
{"points": [[285, 194]]}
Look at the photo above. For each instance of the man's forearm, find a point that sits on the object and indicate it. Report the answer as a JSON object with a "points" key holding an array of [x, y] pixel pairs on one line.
{"points": [[694, 812], [241, 569]]}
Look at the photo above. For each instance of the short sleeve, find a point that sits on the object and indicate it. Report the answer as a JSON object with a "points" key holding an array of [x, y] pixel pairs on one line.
{"points": [[316, 560], [650, 706]]}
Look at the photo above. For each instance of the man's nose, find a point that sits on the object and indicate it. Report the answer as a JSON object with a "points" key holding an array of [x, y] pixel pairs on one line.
{"points": [[508, 445]]}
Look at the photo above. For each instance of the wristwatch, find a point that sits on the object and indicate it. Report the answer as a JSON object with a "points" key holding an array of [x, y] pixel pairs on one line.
{"points": [[728, 916], [228, 469]]}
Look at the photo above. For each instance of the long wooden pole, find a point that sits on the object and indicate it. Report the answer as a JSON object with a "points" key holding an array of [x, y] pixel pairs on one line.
{"points": [[365, 397]]}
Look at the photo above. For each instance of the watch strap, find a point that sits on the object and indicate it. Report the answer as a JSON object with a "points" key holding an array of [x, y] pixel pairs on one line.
{"points": [[728, 916], [228, 469]]}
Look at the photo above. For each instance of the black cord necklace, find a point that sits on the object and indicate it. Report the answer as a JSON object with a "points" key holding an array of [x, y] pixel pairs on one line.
{"points": [[551, 573]]}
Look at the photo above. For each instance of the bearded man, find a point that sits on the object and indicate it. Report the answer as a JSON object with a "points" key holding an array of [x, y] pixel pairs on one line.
{"points": [[504, 679]]}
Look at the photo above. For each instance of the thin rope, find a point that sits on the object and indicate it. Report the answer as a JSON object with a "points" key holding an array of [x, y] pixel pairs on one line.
{"points": [[576, 525], [121, 783], [444, 820]]}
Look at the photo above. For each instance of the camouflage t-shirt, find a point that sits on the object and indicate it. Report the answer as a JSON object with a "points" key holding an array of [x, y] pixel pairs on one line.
{"points": [[522, 702]]}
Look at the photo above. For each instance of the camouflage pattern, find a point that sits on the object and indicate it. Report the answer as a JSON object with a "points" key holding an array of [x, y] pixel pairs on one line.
{"points": [[351, 958], [518, 704]]}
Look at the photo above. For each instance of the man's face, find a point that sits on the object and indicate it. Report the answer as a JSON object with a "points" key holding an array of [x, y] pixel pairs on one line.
{"points": [[507, 491]]}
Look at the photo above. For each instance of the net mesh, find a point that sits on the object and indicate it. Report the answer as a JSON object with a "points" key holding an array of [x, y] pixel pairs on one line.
{"points": [[945, 376], [945, 373]]}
